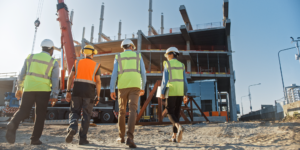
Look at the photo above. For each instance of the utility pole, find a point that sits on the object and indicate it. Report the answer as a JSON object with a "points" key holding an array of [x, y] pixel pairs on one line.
{"points": [[250, 94], [297, 56], [242, 103]]}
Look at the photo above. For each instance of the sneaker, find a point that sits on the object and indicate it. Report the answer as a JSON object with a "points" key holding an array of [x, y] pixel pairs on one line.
{"points": [[179, 134], [130, 143], [84, 142]]}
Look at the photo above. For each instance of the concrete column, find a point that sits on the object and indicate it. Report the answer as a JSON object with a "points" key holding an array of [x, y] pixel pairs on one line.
{"points": [[119, 34], [101, 23], [14, 86], [188, 66], [139, 41], [150, 18], [162, 23], [188, 46], [92, 34], [82, 41], [233, 112]]}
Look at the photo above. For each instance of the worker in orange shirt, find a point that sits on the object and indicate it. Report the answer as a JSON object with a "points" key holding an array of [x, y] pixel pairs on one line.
{"points": [[86, 75]]}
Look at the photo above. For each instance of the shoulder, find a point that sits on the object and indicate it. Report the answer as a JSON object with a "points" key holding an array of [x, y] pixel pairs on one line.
{"points": [[165, 63]]}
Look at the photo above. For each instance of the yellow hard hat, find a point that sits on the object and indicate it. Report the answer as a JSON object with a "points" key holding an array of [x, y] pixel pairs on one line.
{"points": [[88, 50]]}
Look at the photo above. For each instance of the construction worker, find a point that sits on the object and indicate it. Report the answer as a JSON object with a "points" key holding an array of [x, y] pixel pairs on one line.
{"points": [[39, 72], [129, 68], [86, 75], [175, 80]]}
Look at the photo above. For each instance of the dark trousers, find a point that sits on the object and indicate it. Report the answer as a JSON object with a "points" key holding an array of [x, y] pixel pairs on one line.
{"points": [[78, 103], [173, 105], [40, 99]]}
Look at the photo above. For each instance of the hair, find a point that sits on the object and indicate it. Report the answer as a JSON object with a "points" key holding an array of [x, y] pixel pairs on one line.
{"points": [[46, 49], [126, 46]]}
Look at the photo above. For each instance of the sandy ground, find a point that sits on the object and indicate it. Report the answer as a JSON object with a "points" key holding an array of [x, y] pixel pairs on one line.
{"points": [[239, 135]]}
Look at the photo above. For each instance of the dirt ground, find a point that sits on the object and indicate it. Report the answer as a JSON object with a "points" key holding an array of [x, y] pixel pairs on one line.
{"points": [[235, 135]]}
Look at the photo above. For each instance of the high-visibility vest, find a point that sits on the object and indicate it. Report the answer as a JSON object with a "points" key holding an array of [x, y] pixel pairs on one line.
{"points": [[85, 71], [175, 83], [129, 75], [39, 71]]}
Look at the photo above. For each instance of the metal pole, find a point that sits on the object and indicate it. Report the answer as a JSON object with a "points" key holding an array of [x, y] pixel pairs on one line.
{"points": [[101, 23], [284, 93], [250, 94], [242, 104], [150, 18], [119, 34], [92, 34], [162, 23]]}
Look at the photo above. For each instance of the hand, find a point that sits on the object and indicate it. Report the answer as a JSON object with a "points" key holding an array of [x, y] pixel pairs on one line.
{"points": [[185, 99], [162, 96], [142, 92], [96, 103], [19, 94], [53, 101], [68, 97], [113, 95]]}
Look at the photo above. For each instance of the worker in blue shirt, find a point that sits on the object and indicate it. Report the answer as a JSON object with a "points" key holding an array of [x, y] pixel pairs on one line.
{"points": [[175, 80]]}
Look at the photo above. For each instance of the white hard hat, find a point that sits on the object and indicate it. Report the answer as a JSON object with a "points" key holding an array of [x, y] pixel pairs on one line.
{"points": [[47, 43], [127, 42], [172, 49]]}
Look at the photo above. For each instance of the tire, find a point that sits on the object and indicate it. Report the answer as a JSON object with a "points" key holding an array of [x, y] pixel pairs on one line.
{"points": [[66, 116], [107, 117], [51, 115]]}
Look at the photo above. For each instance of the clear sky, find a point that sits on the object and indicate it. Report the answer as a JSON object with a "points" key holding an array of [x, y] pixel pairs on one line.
{"points": [[259, 29]]}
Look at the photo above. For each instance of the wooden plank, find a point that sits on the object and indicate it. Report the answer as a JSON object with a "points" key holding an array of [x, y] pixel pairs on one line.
{"points": [[159, 110], [199, 109], [183, 116], [148, 100]]}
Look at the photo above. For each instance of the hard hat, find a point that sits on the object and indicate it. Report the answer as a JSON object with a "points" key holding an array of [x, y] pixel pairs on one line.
{"points": [[171, 49], [127, 42], [88, 50], [47, 43]]}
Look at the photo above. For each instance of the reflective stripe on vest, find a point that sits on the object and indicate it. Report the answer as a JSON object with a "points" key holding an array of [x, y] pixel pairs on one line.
{"points": [[84, 80], [49, 66], [137, 58], [170, 68]]}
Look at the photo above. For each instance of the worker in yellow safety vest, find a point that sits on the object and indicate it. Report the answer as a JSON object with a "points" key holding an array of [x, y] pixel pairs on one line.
{"points": [[39, 75], [86, 75], [129, 68], [174, 80]]}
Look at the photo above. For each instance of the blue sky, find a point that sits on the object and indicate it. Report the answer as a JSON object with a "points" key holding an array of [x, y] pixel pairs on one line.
{"points": [[259, 30]]}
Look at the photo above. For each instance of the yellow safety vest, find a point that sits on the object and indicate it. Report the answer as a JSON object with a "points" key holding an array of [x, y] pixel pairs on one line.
{"points": [[39, 71], [175, 83], [129, 75]]}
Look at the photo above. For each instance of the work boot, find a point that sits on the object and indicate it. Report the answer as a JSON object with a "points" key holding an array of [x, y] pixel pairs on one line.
{"points": [[11, 133], [83, 142], [38, 142], [70, 135], [120, 140], [130, 143]]}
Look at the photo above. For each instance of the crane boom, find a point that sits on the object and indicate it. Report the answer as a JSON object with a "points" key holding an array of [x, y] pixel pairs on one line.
{"points": [[66, 34]]}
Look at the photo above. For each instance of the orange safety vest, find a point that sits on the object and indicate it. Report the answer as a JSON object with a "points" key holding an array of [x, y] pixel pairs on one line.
{"points": [[85, 71]]}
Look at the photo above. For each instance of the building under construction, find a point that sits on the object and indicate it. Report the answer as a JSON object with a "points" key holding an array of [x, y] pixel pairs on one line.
{"points": [[205, 50]]}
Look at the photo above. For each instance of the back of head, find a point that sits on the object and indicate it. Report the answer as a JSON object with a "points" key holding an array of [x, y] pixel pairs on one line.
{"points": [[127, 43], [47, 45], [89, 50]]}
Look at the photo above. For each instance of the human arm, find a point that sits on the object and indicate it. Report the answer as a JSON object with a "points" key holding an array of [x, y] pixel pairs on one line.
{"points": [[165, 80], [185, 87], [20, 83], [55, 83], [144, 78], [69, 84], [113, 80], [98, 87]]}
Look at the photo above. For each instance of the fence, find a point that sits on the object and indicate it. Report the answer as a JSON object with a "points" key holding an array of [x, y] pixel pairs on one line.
{"points": [[266, 113], [8, 74]]}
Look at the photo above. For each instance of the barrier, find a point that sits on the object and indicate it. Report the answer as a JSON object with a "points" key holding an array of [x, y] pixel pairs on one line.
{"points": [[224, 113]]}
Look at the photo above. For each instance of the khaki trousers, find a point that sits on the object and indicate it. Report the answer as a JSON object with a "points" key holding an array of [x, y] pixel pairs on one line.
{"points": [[130, 95]]}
